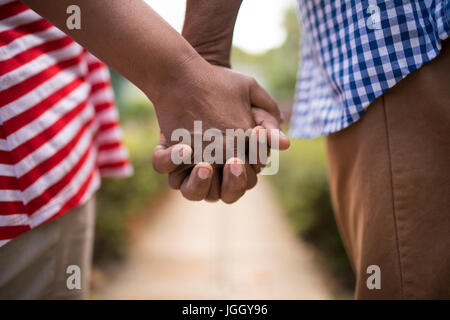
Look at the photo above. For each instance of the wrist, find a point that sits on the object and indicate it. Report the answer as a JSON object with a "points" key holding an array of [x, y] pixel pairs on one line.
{"points": [[180, 79], [176, 69], [209, 27]]}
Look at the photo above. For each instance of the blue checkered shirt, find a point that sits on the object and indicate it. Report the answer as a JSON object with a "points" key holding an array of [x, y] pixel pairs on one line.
{"points": [[353, 51]]}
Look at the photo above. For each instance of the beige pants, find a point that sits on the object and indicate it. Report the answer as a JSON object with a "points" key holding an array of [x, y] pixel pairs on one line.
{"points": [[390, 185], [34, 265]]}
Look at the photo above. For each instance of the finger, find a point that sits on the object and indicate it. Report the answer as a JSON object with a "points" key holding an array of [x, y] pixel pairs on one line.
{"points": [[162, 159], [176, 178], [252, 178], [234, 182], [258, 142], [272, 125], [214, 190], [195, 186], [261, 98]]}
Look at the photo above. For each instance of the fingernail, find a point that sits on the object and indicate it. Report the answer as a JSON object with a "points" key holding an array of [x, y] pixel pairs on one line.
{"points": [[203, 173], [236, 166], [184, 152]]}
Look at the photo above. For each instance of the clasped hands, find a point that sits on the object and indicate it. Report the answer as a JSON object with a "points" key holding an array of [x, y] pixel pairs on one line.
{"points": [[221, 99]]}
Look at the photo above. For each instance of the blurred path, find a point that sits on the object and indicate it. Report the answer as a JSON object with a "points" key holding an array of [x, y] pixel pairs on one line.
{"points": [[215, 251]]}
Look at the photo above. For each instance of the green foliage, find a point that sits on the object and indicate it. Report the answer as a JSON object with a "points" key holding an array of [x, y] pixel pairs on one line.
{"points": [[277, 67], [119, 200], [302, 187]]}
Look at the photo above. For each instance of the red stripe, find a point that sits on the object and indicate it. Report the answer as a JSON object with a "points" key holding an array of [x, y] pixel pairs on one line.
{"points": [[5, 157], [32, 53], [22, 88], [2, 133], [12, 125], [8, 36], [99, 86], [109, 146], [112, 165], [51, 192], [76, 199], [108, 125], [10, 232], [45, 136], [8, 183], [95, 65], [11, 9], [103, 106], [34, 174], [12, 207]]}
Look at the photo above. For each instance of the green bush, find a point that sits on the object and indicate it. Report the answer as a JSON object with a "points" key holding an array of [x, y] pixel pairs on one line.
{"points": [[302, 188], [119, 200]]}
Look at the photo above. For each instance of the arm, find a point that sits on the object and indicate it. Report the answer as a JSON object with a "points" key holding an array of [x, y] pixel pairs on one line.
{"points": [[209, 26], [128, 36], [131, 38]]}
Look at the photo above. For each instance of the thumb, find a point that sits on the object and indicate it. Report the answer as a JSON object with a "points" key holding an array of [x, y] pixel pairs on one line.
{"points": [[272, 125], [261, 98]]}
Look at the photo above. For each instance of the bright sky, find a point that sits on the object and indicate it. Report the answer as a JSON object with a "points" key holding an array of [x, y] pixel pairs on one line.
{"points": [[259, 26]]}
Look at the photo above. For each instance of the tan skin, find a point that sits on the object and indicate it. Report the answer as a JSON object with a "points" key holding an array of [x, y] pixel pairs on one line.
{"points": [[208, 27], [133, 39]]}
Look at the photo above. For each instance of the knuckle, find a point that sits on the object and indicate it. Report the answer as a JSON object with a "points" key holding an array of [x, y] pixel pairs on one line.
{"points": [[174, 181], [232, 197]]}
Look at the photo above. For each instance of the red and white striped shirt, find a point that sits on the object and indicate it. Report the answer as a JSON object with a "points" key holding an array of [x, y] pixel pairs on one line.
{"points": [[59, 128]]}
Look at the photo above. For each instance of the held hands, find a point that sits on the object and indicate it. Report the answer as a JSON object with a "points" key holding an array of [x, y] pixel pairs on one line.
{"points": [[221, 99]]}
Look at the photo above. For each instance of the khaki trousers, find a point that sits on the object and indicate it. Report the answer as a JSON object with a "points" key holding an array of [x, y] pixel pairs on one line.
{"points": [[34, 265], [390, 185]]}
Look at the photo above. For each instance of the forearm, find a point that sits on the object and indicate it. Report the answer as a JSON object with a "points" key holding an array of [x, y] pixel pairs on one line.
{"points": [[127, 35], [209, 26]]}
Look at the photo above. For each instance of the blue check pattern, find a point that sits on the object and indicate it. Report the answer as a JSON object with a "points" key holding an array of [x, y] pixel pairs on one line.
{"points": [[347, 61]]}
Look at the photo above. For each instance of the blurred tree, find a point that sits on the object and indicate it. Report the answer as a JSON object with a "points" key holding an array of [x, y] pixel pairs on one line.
{"points": [[277, 67]]}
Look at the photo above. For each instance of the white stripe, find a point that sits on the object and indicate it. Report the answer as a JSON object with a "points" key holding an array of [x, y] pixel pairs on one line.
{"points": [[90, 58], [4, 145], [13, 220], [10, 195], [48, 118], [41, 92], [5, 1], [38, 65], [3, 242], [113, 155], [124, 171], [107, 115], [52, 146], [108, 136], [57, 202], [102, 96], [17, 20], [29, 41], [60, 170], [98, 75], [7, 170]]}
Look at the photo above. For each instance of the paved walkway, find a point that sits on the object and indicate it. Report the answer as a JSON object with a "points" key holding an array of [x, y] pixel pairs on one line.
{"points": [[216, 251]]}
